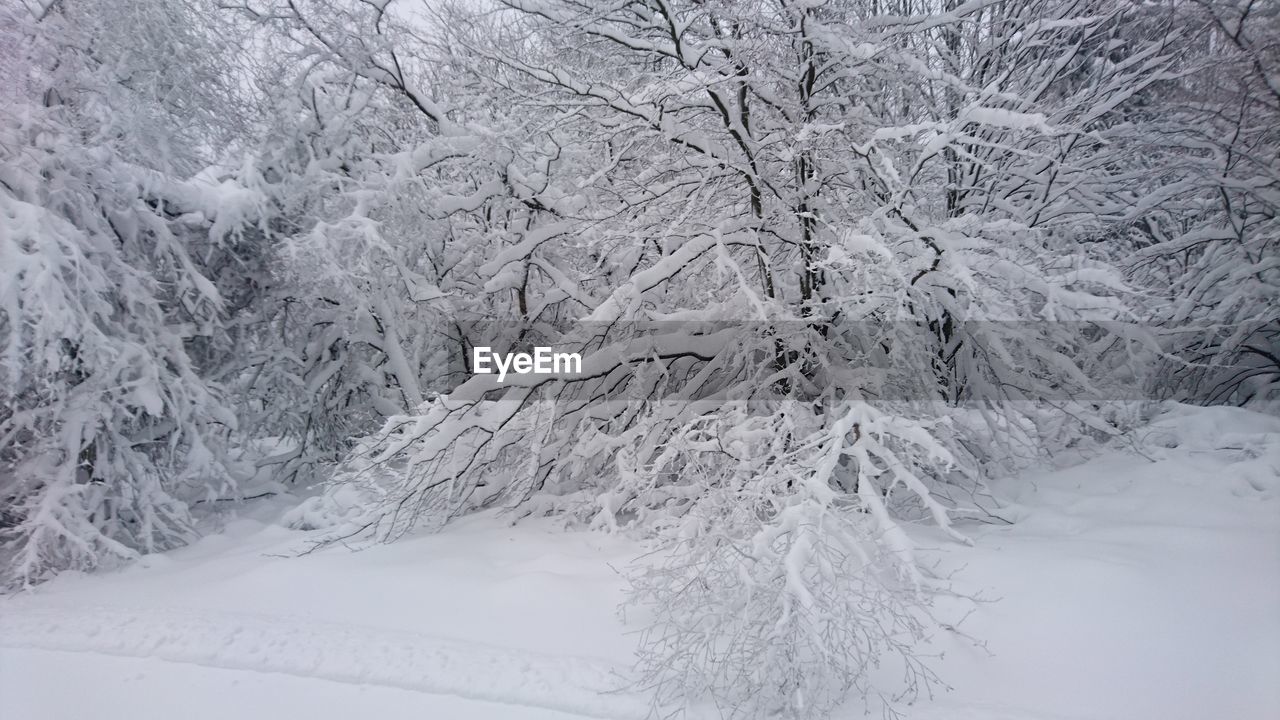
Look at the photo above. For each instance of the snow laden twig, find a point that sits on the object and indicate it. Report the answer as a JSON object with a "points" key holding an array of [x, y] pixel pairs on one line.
{"points": [[780, 589]]}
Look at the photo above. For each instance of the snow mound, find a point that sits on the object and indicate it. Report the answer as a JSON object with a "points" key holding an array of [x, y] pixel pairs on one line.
{"points": [[1213, 428]]}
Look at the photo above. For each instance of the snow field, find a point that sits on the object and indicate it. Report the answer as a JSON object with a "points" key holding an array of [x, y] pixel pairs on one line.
{"points": [[1131, 585]]}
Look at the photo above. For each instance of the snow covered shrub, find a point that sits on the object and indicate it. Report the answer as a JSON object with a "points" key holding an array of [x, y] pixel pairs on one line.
{"points": [[783, 581], [108, 431], [775, 617]]}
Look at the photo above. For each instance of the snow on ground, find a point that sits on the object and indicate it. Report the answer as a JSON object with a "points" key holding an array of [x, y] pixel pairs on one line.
{"points": [[1131, 589], [523, 615], [1131, 586]]}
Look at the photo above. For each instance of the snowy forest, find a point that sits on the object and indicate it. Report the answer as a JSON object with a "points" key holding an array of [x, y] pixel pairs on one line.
{"points": [[842, 274]]}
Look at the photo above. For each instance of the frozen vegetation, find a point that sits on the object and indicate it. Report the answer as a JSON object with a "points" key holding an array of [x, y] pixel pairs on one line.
{"points": [[925, 358]]}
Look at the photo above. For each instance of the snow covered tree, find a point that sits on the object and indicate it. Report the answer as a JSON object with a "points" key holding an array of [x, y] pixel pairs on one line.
{"points": [[108, 431], [396, 177], [813, 239], [1203, 231]]}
